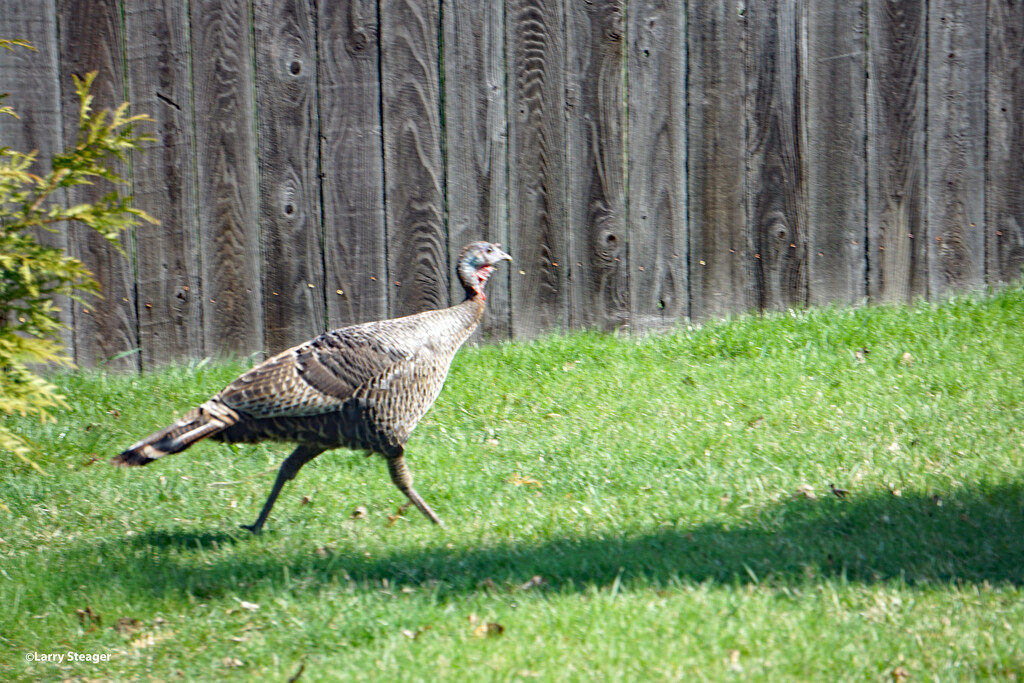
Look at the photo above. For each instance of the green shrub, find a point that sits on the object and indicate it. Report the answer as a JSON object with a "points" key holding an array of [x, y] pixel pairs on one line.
{"points": [[32, 274]]}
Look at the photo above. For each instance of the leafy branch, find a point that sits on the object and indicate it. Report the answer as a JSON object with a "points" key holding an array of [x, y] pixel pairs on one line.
{"points": [[31, 273]]}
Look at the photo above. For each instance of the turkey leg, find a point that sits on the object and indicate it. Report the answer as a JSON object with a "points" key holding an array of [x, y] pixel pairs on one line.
{"points": [[289, 468], [402, 478]]}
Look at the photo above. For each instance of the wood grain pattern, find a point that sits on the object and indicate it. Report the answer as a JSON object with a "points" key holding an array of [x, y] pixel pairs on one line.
{"points": [[1004, 198], [835, 126], [658, 222], [595, 142], [32, 80], [418, 268], [227, 175], [897, 233], [719, 280], [635, 181], [352, 162], [106, 329], [956, 147], [538, 239], [476, 144], [778, 224], [167, 255], [288, 151]]}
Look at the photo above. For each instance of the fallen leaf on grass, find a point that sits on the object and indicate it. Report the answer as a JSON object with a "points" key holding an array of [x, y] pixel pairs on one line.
{"points": [[533, 583], [488, 629], [232, 662], [413, 635], [127, 626], [485, 629], [900, 674], [516, 480], [805, 491], [395, 517], [149, 640], [87, 615]]}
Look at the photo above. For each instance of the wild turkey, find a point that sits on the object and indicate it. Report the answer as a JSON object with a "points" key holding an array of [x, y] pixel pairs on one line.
{"points": [[362, 387]]}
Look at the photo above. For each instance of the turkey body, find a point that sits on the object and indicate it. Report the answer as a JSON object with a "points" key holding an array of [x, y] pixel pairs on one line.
{"points": [[363, 387]]}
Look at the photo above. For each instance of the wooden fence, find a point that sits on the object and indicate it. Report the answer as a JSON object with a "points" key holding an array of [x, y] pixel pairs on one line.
{"points": [[319, 163]]}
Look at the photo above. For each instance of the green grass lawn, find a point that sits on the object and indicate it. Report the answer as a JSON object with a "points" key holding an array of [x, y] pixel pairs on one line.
{"points": [[616, 509]]}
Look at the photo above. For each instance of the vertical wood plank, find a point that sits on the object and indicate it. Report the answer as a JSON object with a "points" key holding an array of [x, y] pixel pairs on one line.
{"points": [[288, 149], [32, 79], [778, 230], [226, 171], [413, 165], [719, 279], [91, 37], [476, 143], [897, 233], [595, 141], [658, 221], [352, 163], [1005, 160], [167, 255], [535, 35], [956, 146], [835, 126]]}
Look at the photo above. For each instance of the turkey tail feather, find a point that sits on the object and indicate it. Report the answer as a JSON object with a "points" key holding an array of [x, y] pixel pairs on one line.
{"points": [[194, 427]]}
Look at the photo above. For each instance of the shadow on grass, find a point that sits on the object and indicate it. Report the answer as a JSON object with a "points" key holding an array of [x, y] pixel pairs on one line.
{"points": [[970, 536]]}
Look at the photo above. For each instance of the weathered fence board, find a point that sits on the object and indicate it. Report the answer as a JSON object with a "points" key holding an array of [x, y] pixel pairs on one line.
{"points": [[897, 232], [598, 262], [166, 255], [413, 165], [228, 180], [834, 124], [956, 146], [320, 164], [719, 278], [106, 329], [537, 168], [32, 77], [352, 163], [1004, 202], [658, 235], [777, 229], [476, 143], [288, 152]]}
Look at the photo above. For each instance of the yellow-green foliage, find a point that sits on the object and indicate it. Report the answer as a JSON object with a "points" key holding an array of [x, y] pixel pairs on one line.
{"points": [[32, 274]]}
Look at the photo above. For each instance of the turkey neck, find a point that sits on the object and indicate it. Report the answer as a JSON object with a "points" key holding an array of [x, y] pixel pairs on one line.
{"points": [[473, 306]]}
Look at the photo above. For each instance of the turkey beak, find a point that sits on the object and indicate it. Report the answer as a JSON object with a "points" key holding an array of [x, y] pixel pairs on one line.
{"points": [[499, 255]]}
